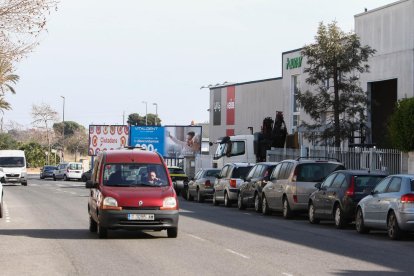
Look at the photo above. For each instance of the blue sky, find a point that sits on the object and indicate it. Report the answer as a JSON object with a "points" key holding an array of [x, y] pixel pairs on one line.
{"points": [[106, 57]]}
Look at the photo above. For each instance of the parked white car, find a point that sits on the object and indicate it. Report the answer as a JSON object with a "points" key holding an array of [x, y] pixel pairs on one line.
{"points": [[68, 171]]}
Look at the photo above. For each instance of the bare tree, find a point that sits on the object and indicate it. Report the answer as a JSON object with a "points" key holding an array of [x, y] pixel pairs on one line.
{"points": [[44, 117], [78, 142], [22, 21]]}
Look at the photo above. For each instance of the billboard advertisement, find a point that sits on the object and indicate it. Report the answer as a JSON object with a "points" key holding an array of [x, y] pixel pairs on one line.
{"points": [[107, 137], [169, 141]]}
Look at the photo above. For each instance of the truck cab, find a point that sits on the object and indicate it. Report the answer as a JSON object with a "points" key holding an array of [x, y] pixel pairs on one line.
{"points": [[234, 149]]}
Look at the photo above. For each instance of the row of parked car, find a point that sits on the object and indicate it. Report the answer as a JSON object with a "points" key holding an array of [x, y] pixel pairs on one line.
{"points": [[323, 189], [66, 171]]}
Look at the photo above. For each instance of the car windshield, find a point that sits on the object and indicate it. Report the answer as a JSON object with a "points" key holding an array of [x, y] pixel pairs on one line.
{"points": [[367, 182], [316, 172], [12, 162], [241, 172], [135, 175], [49, 168], [176, 170]]}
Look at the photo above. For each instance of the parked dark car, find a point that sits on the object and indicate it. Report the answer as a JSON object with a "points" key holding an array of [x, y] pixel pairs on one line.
{"points": [[336, 198], [86, 175], [47, 171], [250, 194], [202, 185]]}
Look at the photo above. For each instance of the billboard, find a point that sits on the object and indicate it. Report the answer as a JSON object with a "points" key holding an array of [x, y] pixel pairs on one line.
{"points": [[169, 141], [107, 137]]}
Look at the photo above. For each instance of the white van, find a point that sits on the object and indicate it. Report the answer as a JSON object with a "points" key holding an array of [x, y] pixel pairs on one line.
{"points": [[13, 165]]}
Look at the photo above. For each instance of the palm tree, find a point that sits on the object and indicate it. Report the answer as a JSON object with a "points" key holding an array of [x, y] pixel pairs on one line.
{"points": [[4, 105], [7, 77]]}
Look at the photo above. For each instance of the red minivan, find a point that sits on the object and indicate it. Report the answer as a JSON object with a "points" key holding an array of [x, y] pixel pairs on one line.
{"points": [[131, 189]]}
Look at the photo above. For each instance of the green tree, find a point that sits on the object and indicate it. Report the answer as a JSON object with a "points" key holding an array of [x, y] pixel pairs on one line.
{"points": [[338, 104], [35, 154], [78, 143], [70, 127], [134, 119], [401, 125], [8, 142]]}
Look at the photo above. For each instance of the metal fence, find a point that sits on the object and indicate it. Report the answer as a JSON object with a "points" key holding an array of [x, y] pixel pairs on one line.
{"points": [[391, 161]]}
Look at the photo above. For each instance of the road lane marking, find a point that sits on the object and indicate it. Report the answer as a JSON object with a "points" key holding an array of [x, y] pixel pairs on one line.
{"points": [[185, 211], [196, 237], [237, 253], [6, 212], [287, 274]]}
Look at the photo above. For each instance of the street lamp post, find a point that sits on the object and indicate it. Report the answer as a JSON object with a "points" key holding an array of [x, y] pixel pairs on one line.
{"points": [[156, 113], [63, 129], [146, 112]]}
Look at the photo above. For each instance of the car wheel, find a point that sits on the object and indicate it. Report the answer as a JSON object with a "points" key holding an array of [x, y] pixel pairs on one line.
{"points": [[200, 198], [394, 231], [189, 196], [93, 226], [311, 214], [54, 178], [265, 206], [172, 232], [257, 203], [102, 231], [84, 178], [65, 178], [287, 212], [240, 204], [24, 183], [184, 194], [359, 223], [339, 217], [227, 202], [42, 177], [215, 202]]}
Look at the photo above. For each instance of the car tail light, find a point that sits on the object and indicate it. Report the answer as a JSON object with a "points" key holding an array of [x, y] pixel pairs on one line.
{"points": [[351, 189], [295, 174], [207, 183], [295, 198], [233, 183], [407, 198]]}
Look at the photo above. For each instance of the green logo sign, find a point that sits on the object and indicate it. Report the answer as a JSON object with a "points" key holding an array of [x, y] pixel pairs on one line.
{"points": [[293, 63]]}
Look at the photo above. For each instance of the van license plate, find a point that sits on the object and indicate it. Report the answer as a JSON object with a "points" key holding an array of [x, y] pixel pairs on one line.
{"points": [[140, 216]]}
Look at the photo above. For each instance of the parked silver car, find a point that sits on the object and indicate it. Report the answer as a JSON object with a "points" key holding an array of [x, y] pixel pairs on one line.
{"points": [[226, 186], [291, 183], [202, 185], [390, 207]]}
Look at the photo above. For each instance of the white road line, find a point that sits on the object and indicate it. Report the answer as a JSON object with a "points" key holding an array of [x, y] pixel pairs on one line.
{"points": [[287, 274], [238, 254], [196, 237], [247, 214], [185, 211], [6, 212]]}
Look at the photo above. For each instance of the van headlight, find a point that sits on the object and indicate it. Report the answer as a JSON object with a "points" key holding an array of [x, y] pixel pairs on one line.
{"points": [[169, 203], [110, 203]]}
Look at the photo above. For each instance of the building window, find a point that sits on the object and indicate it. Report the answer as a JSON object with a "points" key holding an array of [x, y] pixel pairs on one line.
{"points": [[295, 106]]}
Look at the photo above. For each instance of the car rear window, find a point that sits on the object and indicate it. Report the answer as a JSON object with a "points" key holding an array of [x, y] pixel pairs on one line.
{"points": [[316, 172], [241, 172], [369, 182], [212, 173], [412, 185], [75, 166], [48, 168]]}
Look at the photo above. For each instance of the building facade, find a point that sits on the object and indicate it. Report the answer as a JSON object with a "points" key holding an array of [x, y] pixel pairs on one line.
{"points": [[240, 108]]}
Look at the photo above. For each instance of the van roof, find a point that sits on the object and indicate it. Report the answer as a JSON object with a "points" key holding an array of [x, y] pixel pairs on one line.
{"points": [[12, 153], [132, 156]]}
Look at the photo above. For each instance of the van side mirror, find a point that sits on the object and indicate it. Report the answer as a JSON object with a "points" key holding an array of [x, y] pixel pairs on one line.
{"points": [[90, 184]]}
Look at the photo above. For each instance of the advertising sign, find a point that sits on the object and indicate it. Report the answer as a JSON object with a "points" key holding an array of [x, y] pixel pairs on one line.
{"points": [[169, 141], [106, 137]]}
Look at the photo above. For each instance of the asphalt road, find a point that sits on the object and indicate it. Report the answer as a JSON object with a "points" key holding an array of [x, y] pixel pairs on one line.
{"points": [[44, 231]]}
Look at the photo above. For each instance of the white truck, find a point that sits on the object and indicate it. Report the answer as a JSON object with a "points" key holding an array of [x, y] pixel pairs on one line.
{"points": [[13, 166], [251, 148]]}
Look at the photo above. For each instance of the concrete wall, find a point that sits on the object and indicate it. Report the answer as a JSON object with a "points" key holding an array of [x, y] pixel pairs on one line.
{"points": [[390, 31]]}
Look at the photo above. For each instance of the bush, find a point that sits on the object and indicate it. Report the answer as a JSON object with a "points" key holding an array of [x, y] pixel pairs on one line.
{"points": [[401, 127]]}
